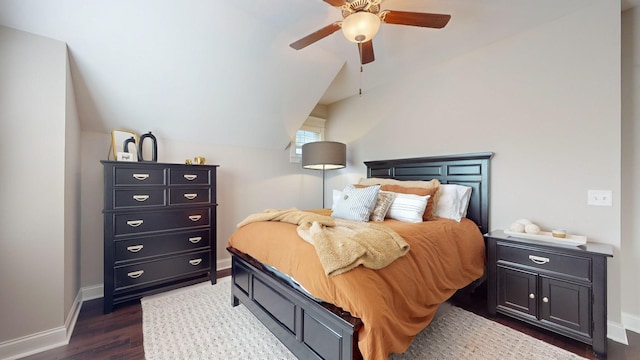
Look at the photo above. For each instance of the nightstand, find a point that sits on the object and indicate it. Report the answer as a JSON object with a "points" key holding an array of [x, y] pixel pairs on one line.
{"points": [[561, 288]]}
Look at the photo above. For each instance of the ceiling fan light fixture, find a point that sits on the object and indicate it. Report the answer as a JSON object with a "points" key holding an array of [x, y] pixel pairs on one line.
{"points": [[361, 26]]}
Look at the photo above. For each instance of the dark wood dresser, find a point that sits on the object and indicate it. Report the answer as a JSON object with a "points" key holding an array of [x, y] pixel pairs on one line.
{"points": [[159, 228], [561, 288]]}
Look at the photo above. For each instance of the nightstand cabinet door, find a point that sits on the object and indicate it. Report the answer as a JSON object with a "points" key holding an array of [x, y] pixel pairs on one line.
{"points": [[517, 291], [159, 228], [566, 304]]}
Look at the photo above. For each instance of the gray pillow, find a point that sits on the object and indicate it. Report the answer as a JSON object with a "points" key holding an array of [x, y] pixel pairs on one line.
{"points": [[356, 203]]}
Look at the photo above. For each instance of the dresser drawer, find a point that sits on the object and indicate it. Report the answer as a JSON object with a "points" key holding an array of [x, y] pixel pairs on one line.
{"points": [[152, 271], [190, 175], [139, 176], [123, 198], [576, 266], [141, 222], [178, 196], [149, 246]]}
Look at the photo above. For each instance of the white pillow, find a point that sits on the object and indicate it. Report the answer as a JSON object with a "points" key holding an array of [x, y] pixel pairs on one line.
{"points": [[356, 203], [408, 207], [453, 201], [464, 204], [336, 196]]}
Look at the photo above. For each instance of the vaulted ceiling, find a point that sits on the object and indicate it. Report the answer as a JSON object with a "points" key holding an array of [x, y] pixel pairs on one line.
{"points": [[223, 72]]}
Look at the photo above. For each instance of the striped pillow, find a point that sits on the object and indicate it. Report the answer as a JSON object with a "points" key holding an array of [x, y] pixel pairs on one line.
{"points": [[408, 207], [356, 203]]}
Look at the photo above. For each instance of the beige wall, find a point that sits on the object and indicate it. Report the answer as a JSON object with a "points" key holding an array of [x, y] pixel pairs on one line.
{"points": [[94, 147], [38, 188], [546, 102], [71, 198], [630, 268]]}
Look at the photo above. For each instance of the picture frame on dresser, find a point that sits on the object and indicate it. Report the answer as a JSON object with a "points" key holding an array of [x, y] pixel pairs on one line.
{"points": [[121, 142], [159, 228]]}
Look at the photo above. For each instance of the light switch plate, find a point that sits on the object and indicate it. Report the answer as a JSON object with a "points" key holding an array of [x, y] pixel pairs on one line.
{"points": [[600, 197]]}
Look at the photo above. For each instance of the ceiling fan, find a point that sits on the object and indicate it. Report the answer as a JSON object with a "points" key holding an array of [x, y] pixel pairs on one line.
{"points": [[362, 20]]}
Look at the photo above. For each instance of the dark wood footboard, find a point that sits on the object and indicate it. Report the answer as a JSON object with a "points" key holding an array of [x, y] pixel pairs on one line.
{"points": [[311, 330]]}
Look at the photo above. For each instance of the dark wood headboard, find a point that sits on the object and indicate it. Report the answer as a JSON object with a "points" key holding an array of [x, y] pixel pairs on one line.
{"points": [[466, 169]]}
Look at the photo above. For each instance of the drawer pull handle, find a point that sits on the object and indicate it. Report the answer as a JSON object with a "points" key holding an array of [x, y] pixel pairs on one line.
{"points": [[190, 177], [195, 217], [141, 198], [135, 248], [135, 274], [532, 296], [195, 239], [191, 196], [195, 262], [135, 223], [545, 299], [140, 176], [538, 259]]}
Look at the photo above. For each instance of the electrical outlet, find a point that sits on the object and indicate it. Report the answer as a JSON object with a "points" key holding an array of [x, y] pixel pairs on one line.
{"points": [[600, 197]]}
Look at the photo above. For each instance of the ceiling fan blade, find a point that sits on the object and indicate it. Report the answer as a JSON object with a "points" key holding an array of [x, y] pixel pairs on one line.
{"points": [[436, 21], [335, 2], [366, 52], [318, 35]]}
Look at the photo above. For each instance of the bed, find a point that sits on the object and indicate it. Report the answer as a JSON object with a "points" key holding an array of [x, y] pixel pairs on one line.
{"points": [[314, 329]]}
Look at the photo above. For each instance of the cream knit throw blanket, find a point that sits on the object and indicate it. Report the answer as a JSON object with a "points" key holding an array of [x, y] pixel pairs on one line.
{"points": [[341, 244]]}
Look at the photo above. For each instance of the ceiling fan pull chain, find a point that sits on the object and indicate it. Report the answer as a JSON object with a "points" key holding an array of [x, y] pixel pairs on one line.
{"points": [[360, 90], [361, 70]]}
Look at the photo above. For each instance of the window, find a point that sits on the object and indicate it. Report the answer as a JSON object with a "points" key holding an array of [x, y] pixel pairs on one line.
{"points": [[312, 130]]}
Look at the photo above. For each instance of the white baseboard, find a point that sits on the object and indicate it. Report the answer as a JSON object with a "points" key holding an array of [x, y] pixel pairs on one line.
{"points": [[44, 340], [72, 316], [223, 264], [616, 332], [34, 343], [92, 292], [631, 322]]}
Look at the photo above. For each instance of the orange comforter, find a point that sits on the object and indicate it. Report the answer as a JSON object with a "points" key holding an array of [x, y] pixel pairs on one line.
{"points": [[394, 303]]}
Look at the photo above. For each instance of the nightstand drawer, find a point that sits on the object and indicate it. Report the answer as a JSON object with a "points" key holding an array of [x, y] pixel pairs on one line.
{"points": [[190, 176], [141, 222], [579, 267], [179, 196], [149, 246], [123, 198], [139, 176], [151, 271]]}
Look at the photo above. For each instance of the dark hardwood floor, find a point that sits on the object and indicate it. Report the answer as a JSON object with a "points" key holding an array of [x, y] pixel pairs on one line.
{"points": [[477, 303], [119, 335]]}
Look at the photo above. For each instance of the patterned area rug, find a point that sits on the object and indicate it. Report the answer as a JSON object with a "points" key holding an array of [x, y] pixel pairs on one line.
{"points": [[198, 322]]}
